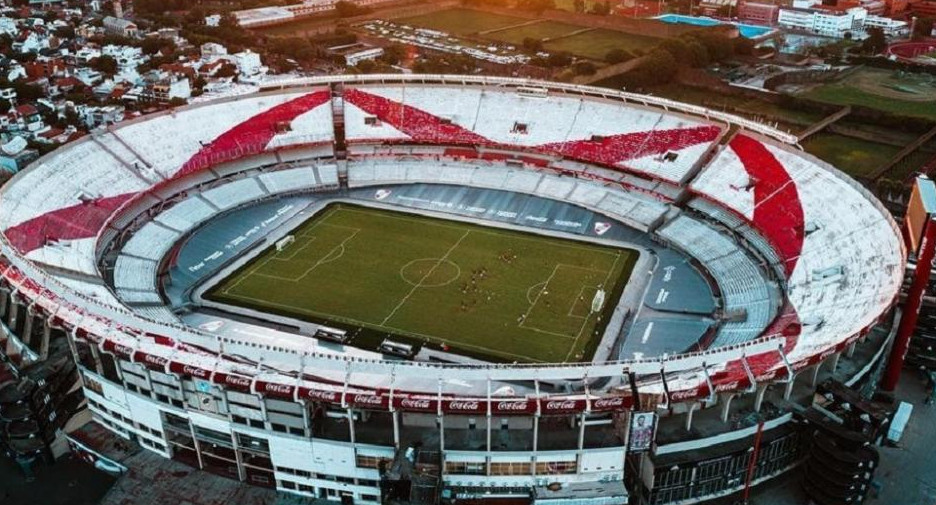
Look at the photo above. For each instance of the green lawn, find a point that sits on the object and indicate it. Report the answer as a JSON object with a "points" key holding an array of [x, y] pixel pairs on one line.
{"points": [[752, 108], [844, 94], [489, 292], [595, 44], [855, 157], [538, 31], [460, 21]]}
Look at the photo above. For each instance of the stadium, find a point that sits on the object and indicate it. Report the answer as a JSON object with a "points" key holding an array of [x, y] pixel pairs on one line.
{"points": [[450, 288]]}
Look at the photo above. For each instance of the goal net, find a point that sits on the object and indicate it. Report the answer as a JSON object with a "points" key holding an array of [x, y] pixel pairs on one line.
{"points": [[598, 300], [284, 242]]}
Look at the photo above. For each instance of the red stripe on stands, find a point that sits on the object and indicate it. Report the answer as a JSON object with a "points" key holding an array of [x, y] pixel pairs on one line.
{"points": [[70, 223], [86, 219], [253, 135], [418, 124], [778, 211], [613, 149]]}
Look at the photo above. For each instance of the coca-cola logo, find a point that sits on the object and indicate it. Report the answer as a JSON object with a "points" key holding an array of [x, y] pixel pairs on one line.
{"points": [[367, 400], [512, 406], [729, 386], [767, 376], [607, 403], [464, 405], [154, 360], [683, 395], [800, 364], [560, 405], [193, 371], [277, 388], [123, 349], [408, 403], [236, 381], [321, 395]]}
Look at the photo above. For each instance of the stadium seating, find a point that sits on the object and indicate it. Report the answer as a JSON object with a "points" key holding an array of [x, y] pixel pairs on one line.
{"points": [[293, 179], [73, 255], [838, 251], [741, 282], [232, 194], [185, 214], [600, 132]]}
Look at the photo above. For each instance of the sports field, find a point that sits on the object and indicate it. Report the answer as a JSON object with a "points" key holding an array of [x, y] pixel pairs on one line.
{"points": [[487, 292], [579, 40]]}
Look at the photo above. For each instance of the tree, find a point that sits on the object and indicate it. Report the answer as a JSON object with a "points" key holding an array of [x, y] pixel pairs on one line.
{"points": [[536, 6], [366, 66], [105, 64], [153, 45], [618, 56], [601, 8], [584, 68], [876, 41], [393, 54], [346, 9], [923, 28], [560, 59], [532, 46]]}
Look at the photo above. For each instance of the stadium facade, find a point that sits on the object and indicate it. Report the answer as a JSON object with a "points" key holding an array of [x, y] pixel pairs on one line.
{"points": [[800, 264]]}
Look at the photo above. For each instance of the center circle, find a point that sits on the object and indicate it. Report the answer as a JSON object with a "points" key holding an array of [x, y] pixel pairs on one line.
{"points": [[430, 272]]}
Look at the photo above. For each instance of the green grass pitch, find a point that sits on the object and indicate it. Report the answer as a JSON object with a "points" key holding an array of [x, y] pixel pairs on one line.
{"points": [[487, 292]]}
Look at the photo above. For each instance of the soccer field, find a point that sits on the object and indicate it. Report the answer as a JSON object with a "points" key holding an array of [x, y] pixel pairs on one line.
{"points": [[486, 292]]}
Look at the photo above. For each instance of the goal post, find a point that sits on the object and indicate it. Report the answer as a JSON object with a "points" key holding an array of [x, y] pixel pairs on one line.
{"points": [[598, 300], [284, 242]]}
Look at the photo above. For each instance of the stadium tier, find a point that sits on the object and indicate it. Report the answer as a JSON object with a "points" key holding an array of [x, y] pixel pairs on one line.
{"points": [[658, 257]]}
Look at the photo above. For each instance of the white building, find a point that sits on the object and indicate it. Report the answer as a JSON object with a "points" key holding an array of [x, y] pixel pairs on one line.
{"points": [[248, 63], [354, 53], [211, 51], [834, 23], [891, 27]]}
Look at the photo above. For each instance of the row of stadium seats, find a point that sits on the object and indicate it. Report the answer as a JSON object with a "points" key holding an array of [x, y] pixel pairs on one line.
{"points": [[661, 144], [741, 282], [136, 267], [634, 208], [837, 251]]}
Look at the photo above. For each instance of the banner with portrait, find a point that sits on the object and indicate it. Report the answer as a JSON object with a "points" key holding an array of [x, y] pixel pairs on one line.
{"points": [[642, 430]]}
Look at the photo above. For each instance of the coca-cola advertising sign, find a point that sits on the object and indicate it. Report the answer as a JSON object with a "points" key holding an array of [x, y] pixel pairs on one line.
{"points": [[727, 386], [512, 407], [150, 361], [683, 395], [415, 404], [319, 395], [465, 406], [610, 403], [238, 382], [191, 371], [367, 401], [275, 389], [561, 406]]}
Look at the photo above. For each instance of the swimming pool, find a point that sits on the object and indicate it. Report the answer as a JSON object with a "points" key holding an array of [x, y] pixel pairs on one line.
{"points": [[747, 31]]}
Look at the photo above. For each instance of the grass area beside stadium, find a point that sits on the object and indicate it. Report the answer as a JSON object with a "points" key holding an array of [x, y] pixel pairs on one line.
{"points": [[853, 156], [461, 21], [540, 30], [596, 44], [909, 95], [486, 292]]}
